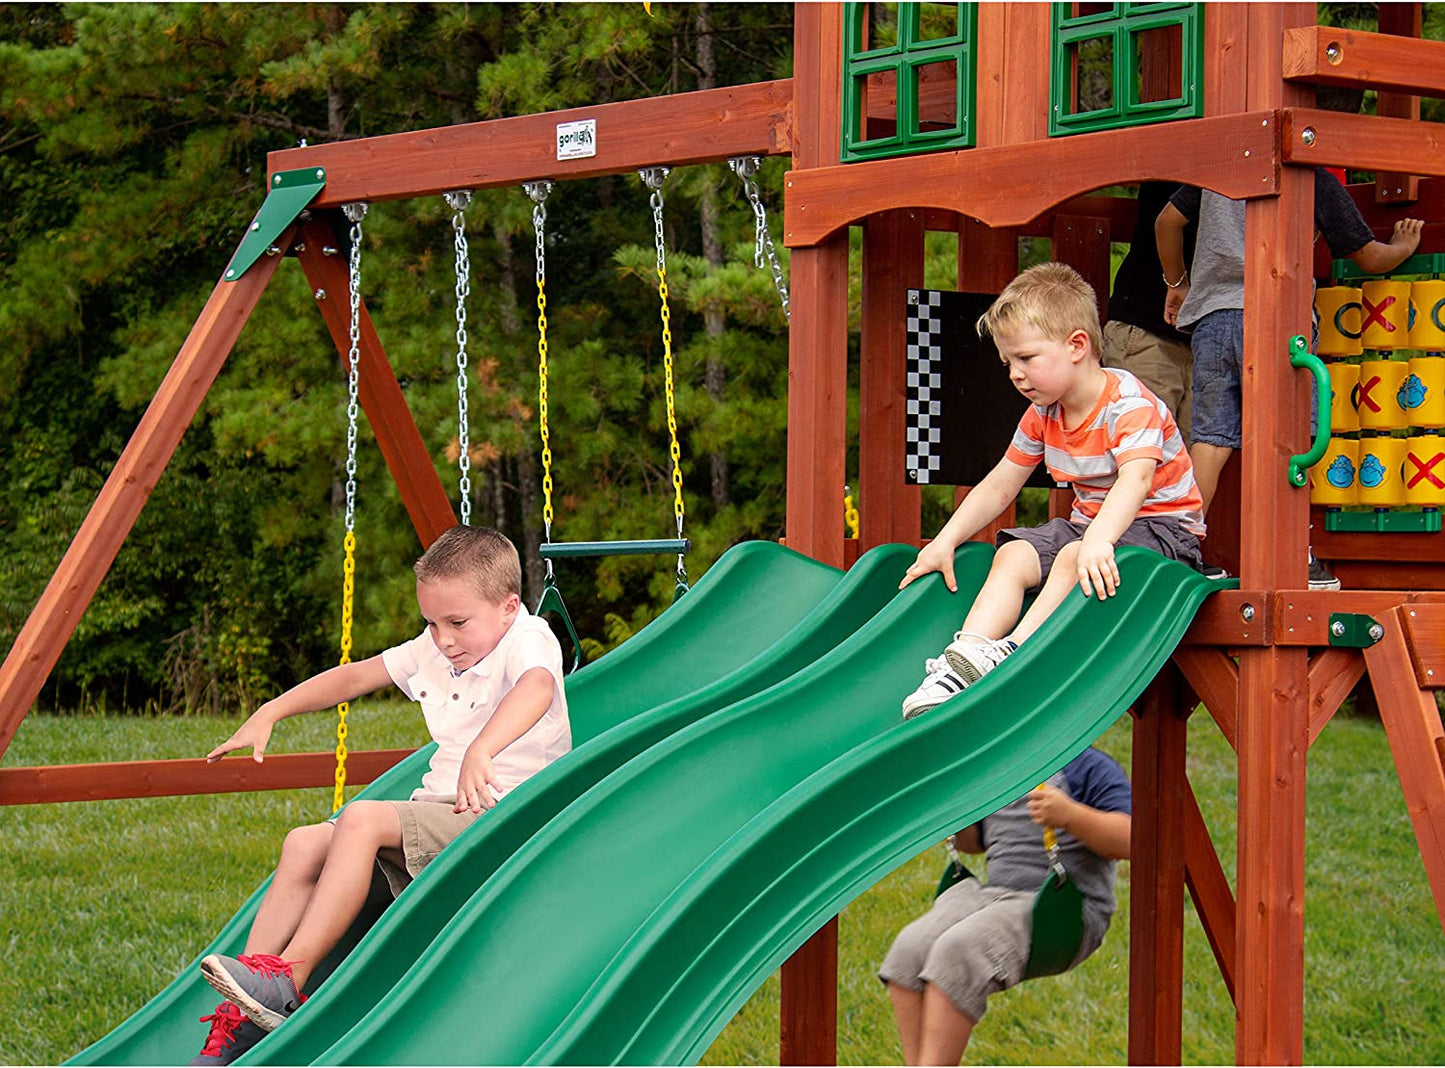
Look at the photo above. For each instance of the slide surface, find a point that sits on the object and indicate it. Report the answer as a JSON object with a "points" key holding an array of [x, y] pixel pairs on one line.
{"points": [[756, 595], [635, 923]]}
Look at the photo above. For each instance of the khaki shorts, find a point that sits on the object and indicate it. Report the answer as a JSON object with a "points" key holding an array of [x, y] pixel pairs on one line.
{"points": [[1166, 367], [426, 828]]}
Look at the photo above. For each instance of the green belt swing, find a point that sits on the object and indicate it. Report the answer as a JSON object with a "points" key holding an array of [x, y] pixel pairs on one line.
{"points": [[551, 599], [1057, 928]]}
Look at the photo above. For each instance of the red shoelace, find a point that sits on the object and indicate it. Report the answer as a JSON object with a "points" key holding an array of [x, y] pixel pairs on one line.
{"points": [[267, 964], [224, 1022]]}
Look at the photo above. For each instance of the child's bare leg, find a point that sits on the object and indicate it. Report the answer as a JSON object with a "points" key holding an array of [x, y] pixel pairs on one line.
{"points": [[1209, 461], [1063, 579], [946, 1031], [303, 855], [1015, 570], [363, 828], [908, 1015]]}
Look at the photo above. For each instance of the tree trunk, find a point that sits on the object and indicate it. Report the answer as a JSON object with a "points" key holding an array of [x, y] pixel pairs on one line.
{"points": [[714, 319]]}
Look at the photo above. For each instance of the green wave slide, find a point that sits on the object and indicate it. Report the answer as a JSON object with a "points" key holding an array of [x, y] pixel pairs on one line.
{"points": [[633, 926], [757, 615]]}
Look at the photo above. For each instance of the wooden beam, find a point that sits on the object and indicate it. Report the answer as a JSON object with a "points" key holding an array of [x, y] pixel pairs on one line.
{"points": [[1215, 679], [1364, 60], [1156, 875], [1389, 575], [1379, 548], [1302, 617], [182, 778], [707, 126], [1312, 138], [1425, 635], [1209, 889], [1332, 675], [807, 1017], [1008, 185], [397, 436], [1233, 618], [1412, 725], [889, 509], [1226, 45], [1082, 242], [1398, 21], [55, 616]]}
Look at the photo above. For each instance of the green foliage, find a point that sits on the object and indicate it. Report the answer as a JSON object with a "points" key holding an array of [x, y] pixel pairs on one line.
{"points": [[133, 140]]}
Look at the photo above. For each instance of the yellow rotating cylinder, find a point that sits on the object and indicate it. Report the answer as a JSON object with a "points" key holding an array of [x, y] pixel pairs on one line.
{"points": [[1424, 471], [1422, 394], [1427, 316], [1334, 481], [1385, 314], [1344, 396], [1379, 396], [1379, 473], [1339, 311]]}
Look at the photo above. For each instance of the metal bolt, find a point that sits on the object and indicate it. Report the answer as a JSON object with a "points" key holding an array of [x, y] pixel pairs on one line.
{"points": [[231, 273], [276, 180], [320, 294], [1307, 135], [1337, 628], [1430, 673], [1333, 52], [301, 246], [1246, 152], [255, 226], [1248, 613], [273, 251], [1376, 632], [320, 173], [328, 250]]}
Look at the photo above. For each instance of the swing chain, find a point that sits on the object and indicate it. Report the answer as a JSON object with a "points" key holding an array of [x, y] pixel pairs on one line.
{"points": [[354, 213], [458, 201], [764, 254], [653, 177], [538, 191]]}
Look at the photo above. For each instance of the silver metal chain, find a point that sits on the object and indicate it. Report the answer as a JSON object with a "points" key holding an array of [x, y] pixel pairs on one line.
{"points": [[653, 177], [355, 213], [458, 201], [764, 254]]}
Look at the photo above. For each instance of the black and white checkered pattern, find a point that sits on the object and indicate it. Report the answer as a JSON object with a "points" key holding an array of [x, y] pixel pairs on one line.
{"points": [[924, 385]]}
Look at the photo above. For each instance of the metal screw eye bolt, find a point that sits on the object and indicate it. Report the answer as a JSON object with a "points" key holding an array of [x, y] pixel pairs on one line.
{"points": [[1248, 613], [1337, 628]]}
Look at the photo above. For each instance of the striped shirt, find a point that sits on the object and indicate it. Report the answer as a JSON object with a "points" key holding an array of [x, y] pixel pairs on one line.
{"points": [[1128, 423]]}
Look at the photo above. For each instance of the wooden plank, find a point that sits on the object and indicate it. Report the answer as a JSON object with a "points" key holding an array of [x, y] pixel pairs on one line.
{"points": [[184, 778], [1365, 60], [707, 126], [1209, 888], [1156, 875], [1025, 87], [1008, 185], [1215, 679], [1362, 142], [55, 616], [1412, 725], [808, 1022], [1082, 242], [990, 56], [1415, 548], [1226, 41], [1232, 618], [1302, 617], [397, 436], [889, 508], [1389, 575], [1332, 675], [1425, 635], [1398, 21]]}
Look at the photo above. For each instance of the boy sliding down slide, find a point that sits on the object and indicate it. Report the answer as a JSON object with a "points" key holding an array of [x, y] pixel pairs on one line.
{"points": [[488, 677], [1097, 429]]}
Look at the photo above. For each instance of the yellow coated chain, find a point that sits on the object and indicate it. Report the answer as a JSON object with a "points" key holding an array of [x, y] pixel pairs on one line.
{"points": [[850, 513], [542, 401], [673, 448], [348, 601]]}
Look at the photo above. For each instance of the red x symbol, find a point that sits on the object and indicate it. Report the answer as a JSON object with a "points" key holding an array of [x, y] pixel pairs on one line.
{"points": [[1425, 470], [1366, 387], [1375, 313]]}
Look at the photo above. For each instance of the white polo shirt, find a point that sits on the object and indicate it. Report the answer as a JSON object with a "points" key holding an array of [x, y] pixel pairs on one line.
{"points": [[458, 706]]}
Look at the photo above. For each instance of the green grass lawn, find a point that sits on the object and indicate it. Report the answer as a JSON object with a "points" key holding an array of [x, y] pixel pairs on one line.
{"points": [[108, 900]]}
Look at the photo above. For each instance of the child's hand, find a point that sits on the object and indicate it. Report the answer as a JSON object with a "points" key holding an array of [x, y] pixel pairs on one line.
{"points": [[932, 557], [1050, 808], [475, 781], [255, 732], [1407, 235], [1098, 571]]}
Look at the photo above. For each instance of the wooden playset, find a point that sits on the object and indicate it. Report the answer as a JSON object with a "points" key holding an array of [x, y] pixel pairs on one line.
{"points": [[969, 119]]}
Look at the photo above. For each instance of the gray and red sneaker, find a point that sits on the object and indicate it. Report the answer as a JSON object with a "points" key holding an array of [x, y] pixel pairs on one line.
{"points": [[259, 984], [231, 1035]]}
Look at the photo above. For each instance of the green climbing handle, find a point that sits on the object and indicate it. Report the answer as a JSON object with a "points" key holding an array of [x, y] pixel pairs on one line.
{"points": [[1300, 356]]}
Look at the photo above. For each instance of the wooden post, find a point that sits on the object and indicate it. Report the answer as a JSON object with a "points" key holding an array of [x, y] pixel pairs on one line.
{"points": [[55, 616], [817, 439], [1402, 20], [380, 394], [888, 507], [1156, 865]]}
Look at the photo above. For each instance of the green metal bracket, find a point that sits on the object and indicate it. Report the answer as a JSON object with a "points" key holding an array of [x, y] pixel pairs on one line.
{"points": [[1349, 630], [1300, 356], [287, 197], [1417, 521]]}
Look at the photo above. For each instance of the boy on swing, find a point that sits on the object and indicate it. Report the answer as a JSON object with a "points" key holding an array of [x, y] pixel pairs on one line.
{"points": [[1098, 430], [488, 677]]}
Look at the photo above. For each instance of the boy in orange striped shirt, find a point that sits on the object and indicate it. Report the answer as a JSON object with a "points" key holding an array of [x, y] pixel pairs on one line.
{"points": [[1098, 430]]}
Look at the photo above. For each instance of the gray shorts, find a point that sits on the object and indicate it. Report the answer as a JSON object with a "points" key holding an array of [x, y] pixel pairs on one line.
{"points": [[974, 942], [1165, 366], [1167, 537], [426, 828]]}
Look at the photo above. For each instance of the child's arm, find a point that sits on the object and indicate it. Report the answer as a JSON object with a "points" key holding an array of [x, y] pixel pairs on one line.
{"points": [[970, 839], [1378, 257], [329, 688], [1105, 833], [1169, 236], [517, 712], [983, 504], [1098, 571]]}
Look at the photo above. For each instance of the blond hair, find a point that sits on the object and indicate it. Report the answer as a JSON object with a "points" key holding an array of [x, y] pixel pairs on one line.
{"points": [[480, 555], [1053, 299]]}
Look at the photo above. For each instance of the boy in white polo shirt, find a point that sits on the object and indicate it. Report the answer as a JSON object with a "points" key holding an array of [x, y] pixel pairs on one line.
{"points": [[488, 677]]}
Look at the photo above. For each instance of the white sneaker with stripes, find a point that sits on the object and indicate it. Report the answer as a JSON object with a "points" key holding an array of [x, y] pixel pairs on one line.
{"points": [[972, 656], [939, 684]]}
